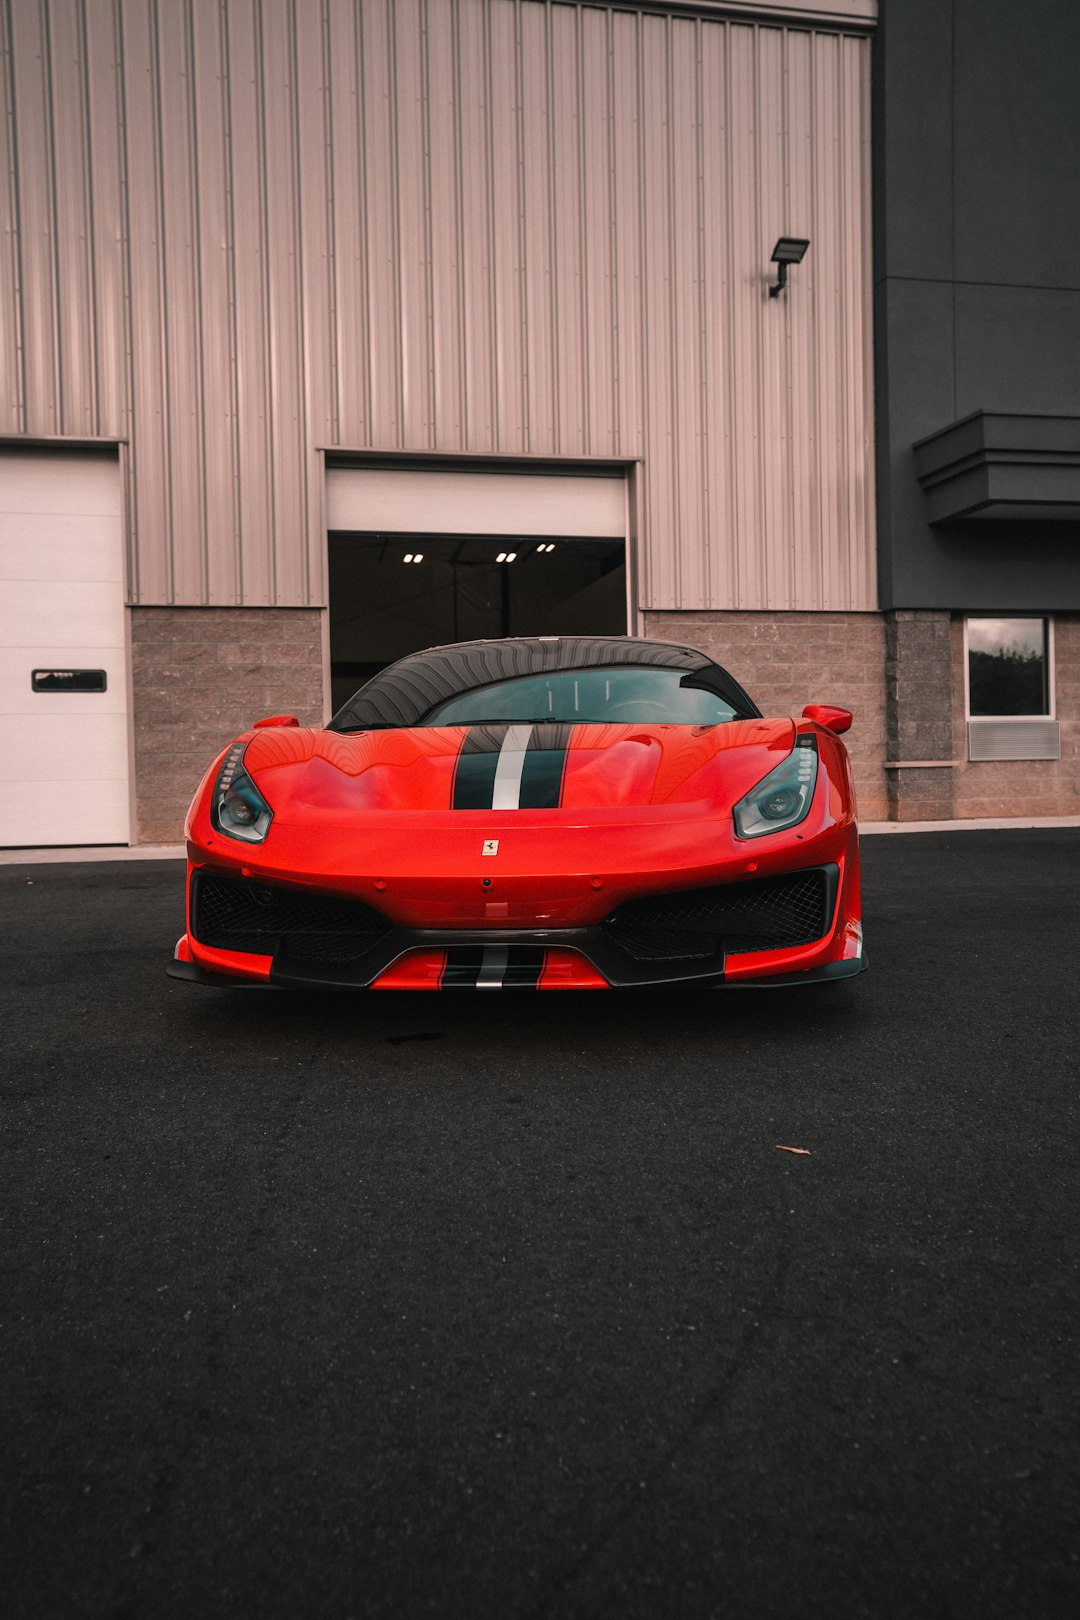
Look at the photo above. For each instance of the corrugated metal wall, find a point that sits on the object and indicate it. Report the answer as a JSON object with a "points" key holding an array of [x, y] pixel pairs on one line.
{"points": [[242, 230]]}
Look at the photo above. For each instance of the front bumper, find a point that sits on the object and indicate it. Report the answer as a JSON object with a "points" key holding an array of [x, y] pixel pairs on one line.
{"points": [[797, 927]]}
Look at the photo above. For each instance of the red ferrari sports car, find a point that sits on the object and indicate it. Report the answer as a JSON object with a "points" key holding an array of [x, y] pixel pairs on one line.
{"points": [[549, 813]]}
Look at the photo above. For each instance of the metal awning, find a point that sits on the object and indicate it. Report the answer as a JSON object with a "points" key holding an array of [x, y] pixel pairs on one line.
{"points": [[991, 465]]}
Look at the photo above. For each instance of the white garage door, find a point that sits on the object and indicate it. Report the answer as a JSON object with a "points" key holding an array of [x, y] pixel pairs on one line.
{"points": [[63, 676], [428, 502]]}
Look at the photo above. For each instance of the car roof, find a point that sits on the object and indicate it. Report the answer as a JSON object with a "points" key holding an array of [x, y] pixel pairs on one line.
{"points": [[404, 692]]}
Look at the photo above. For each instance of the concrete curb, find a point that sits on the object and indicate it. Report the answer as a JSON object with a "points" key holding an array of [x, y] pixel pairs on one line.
{"points": [[101, 852], [1005, 823]]}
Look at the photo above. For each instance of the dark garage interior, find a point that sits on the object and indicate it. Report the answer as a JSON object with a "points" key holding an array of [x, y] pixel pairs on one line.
{"points": [[392, 594]]}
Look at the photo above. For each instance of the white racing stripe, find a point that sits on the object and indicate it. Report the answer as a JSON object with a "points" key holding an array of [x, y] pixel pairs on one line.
{"points": [[506, 794], [493, 967]]}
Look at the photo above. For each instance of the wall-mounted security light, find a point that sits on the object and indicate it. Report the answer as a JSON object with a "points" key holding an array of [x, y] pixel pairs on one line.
{"points": [[506, 556], [788, 250], [413, 557]]}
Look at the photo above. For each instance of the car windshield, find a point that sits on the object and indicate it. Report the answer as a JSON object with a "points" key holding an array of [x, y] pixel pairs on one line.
{"points": [[536, 678], [595, 696]]}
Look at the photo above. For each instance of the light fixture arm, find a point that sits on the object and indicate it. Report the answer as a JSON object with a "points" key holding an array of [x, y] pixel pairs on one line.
{"points": [[781, 280]]}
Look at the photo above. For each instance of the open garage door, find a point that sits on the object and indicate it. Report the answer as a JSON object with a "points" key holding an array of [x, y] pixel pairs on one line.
{"points": [[421, 558], [63, 674]]}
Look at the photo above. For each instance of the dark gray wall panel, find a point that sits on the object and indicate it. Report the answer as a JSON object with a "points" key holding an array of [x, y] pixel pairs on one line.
{"points": [[977, 267], [1017, 349], [915, 375], [981, 566], [914, 342], [976, 565], [1017, 141], [919, 332], [996, 567], [913, 141]]}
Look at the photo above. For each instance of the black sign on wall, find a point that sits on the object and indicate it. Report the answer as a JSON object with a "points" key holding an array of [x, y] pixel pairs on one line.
{"points": [[68, 680]]}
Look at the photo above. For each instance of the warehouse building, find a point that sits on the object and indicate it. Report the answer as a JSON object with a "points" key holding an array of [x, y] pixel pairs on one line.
{"points": [[977, 272], [329, 332]]}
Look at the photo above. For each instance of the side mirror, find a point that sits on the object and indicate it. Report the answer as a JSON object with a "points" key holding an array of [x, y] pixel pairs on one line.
{"points": [[277, 720], [827, 714]]}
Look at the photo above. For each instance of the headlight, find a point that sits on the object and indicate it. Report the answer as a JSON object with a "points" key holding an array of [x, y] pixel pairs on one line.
{"points": [[237, 808], [782, 798]]}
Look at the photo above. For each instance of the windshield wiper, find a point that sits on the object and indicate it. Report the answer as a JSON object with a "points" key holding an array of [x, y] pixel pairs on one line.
{"points": [[521, 720], [370, 725]]}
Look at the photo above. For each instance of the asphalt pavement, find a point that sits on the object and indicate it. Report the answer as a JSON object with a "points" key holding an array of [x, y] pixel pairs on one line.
{"points": [[518, 1306]]}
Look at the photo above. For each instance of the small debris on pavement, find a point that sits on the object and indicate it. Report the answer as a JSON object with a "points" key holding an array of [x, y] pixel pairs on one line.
{"points": [[780, 1148]]}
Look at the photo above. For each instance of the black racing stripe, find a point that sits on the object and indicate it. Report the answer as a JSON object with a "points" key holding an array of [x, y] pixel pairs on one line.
{"points": [[463, 964], [524, 968], [474, 776], [545, 767]]}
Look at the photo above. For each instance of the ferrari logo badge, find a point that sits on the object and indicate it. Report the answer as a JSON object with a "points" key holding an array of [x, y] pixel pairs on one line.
{"points": [[491, 846]]}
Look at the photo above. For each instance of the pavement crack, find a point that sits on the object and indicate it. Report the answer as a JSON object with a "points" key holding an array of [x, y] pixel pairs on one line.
{"points": [[705, 1411]]}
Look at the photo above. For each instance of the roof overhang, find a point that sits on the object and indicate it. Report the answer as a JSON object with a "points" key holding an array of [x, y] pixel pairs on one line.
{"points": [[990, 465]]}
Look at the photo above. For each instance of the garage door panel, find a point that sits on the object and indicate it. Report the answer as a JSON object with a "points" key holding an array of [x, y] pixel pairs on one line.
{"points": [[80, 485], [63, 748], [35, 814], [17, 695], [59, 548], [65, 773], [58, 614], [378, 500]]}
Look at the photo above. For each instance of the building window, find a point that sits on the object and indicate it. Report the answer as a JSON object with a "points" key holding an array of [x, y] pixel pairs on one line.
{"points": [[1008, 668], [1010, 689]]}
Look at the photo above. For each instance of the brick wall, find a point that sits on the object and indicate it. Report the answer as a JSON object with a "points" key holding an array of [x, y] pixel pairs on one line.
{"points": [[918, 714], [786, 660], [1023, 787], [200, 676]]}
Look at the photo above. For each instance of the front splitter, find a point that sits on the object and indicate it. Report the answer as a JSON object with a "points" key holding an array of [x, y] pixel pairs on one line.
{"points": [[829, 973]]}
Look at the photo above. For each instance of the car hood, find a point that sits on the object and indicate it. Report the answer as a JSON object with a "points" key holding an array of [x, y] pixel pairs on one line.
{"points": [[309, 774]]}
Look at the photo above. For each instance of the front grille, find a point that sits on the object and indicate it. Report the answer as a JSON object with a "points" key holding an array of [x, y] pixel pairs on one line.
{"points": [[312, 928], [767, 914]]}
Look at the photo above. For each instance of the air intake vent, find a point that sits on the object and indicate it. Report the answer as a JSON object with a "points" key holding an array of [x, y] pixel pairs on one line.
{"points": [[1014, 739], [767, 914], [237, 916]]}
